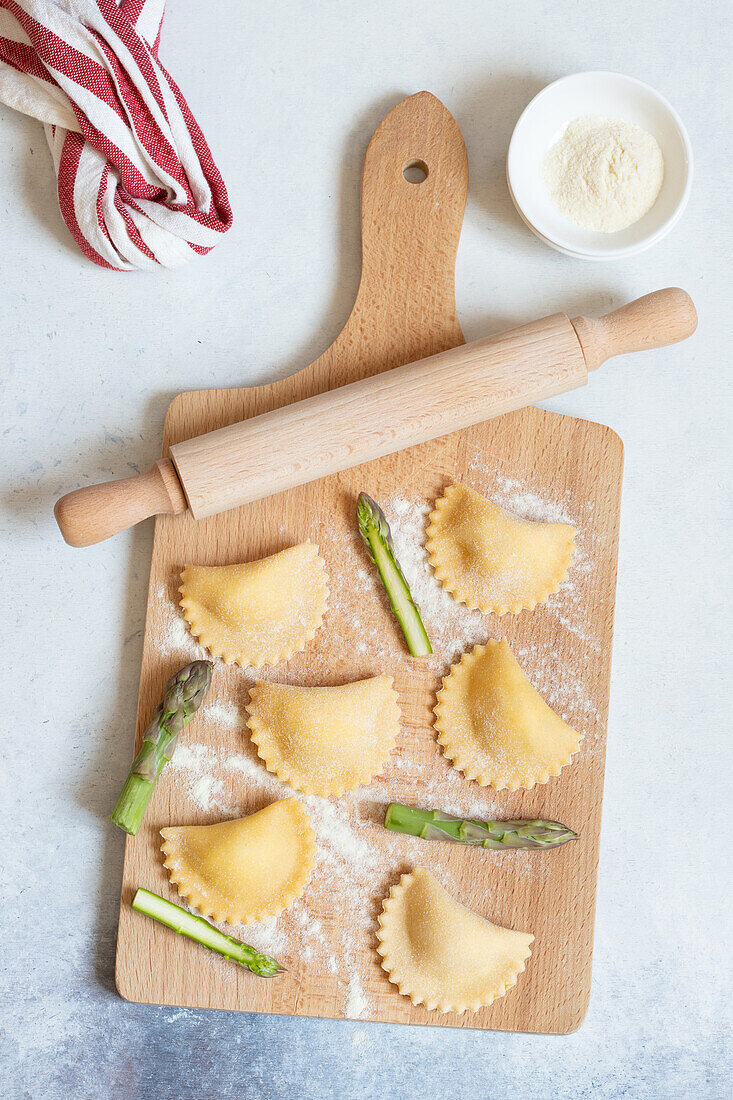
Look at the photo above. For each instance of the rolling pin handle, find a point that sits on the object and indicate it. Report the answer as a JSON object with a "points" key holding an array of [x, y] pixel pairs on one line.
{"points": [[96, 512], [654, 321]]}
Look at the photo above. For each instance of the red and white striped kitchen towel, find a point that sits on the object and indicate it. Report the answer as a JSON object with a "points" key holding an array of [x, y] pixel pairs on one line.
{"points": [[137, 184]]}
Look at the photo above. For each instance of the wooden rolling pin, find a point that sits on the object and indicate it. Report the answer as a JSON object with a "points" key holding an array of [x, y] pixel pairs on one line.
{"points": [[376, 416]]}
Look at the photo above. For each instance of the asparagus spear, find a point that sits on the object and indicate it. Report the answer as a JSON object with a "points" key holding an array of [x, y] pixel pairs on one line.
{"points": [[184, 694], [375, 531], [198, 929], [434, 825]]}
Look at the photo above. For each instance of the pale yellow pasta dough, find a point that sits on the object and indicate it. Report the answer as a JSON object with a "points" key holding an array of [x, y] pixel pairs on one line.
{"points": [[260, 612], [495, 727], [243, 870], [493, 561], [325, 740], [442, 955]]}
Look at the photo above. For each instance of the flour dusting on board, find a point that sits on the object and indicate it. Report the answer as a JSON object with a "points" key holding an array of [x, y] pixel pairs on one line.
{"points": [[332, 925], [451, 626], [225, 715], [175, 637], [357, 1004]]}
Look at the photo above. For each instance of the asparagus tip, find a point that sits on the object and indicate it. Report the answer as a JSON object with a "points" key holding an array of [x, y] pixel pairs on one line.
{"points": [[375, 531], [436, 825]]}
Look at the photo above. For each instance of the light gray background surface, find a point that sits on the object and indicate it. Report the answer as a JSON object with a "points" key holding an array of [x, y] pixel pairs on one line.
{"points": [[288, 95]]}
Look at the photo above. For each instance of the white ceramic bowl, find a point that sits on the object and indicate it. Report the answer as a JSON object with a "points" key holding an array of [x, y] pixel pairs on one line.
{"points": [[543, 122]]}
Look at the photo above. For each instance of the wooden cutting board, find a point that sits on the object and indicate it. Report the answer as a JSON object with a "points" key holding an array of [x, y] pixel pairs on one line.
{"points": [[538, 463]]}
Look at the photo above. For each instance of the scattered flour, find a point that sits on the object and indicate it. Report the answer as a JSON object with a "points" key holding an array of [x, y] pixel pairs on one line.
{"points": [[174, 1016], [175, 637], [331, 927], [226, 715], [360, 1038], [208, 793], [357, 1004], [529, 505], [337, 835], [451, 626], [192, 758], [248, 768], [266, 936], [193, 764]]}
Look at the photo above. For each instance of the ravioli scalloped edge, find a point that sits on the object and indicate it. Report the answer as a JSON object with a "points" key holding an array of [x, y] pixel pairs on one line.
{"points": [[446, 739], [407, 985], [259, 733], [264, 656], [453, 585], [194, 897]]}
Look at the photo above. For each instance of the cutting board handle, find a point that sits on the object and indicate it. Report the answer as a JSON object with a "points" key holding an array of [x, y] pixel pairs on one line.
{"points": [[654, 321], [96, 512], [409, 239]]}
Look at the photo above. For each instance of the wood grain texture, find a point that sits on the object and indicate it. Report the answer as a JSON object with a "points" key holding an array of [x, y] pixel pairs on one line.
{"points": [[405, 310], [375, 417], [653, 321], [96, 512]]}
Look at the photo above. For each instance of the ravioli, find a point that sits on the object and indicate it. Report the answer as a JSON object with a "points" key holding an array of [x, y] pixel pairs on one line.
{"points": [[259, 612], [495, 727], [325, 740], [442, 955], [246, 869], [493, 561]]}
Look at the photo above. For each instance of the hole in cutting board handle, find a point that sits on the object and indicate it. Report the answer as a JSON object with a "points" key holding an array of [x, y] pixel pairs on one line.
{"points": [[415, 171]]}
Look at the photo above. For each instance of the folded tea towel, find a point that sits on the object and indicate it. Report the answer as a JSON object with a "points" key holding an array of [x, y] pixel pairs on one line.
{"points": [[137, 184]]}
